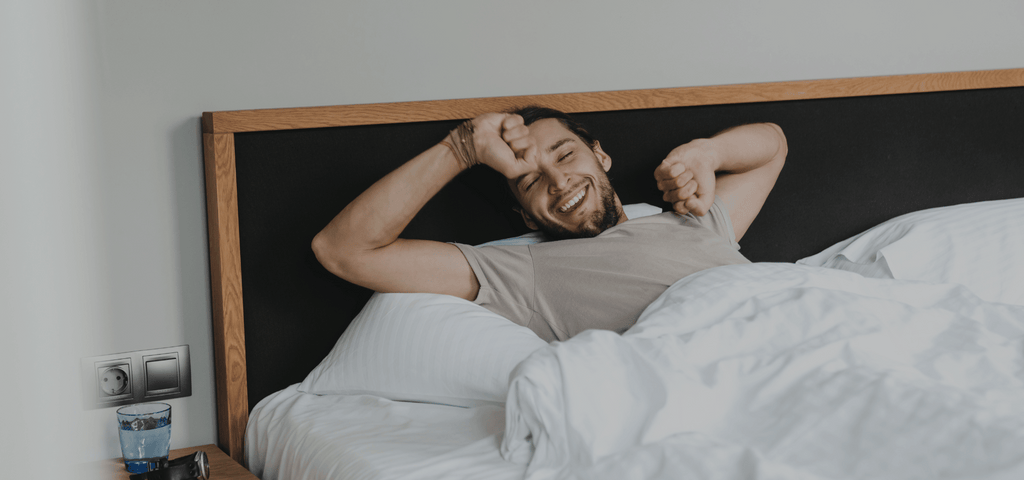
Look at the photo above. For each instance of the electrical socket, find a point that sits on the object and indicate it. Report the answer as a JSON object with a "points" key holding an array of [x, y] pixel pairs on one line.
{"points": [[108, 379], [134, 377], [114, 380]]}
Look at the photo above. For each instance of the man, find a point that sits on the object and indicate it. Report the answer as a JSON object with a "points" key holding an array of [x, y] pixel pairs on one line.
{"points": [[608, 268]]}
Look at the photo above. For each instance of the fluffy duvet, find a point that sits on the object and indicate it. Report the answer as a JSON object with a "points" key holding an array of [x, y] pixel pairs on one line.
{"points": [[784, 371]]}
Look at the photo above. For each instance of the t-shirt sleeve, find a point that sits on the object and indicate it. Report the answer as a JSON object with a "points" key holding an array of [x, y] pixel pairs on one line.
{"points": [[717, 220], [506, 278]]}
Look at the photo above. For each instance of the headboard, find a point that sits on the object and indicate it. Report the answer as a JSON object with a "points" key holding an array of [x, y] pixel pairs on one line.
{"points": [[861, 151]]}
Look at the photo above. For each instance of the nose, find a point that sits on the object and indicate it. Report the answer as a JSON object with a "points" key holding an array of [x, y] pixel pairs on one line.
{"points": [[557, 180]]}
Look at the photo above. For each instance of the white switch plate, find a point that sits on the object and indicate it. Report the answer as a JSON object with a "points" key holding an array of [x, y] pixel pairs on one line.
{"points": [[153, 375]]}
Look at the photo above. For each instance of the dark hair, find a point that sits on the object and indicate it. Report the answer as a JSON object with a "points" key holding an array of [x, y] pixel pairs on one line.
{"points": [[533, 113]]}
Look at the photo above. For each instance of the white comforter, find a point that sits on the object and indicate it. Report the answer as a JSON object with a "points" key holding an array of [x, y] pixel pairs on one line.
{"points": [[782, 371]]}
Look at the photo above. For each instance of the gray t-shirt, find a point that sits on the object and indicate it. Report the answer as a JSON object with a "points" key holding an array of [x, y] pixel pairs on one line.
{"points": [[561, 288]]}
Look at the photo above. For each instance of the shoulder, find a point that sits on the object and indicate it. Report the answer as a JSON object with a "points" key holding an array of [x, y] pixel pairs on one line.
{"points": [[490, 257]]}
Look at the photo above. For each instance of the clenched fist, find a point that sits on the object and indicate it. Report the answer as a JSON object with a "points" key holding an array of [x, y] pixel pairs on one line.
{"points": [[687, 177], [503, 143]]}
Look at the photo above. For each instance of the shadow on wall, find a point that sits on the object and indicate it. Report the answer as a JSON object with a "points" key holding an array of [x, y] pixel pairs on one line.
{"points": [[194, 273]]}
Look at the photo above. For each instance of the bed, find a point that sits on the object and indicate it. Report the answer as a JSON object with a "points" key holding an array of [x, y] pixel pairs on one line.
{"points": [[864, 153]]}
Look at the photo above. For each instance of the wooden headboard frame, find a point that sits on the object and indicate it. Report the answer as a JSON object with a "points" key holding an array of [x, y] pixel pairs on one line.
{"points": [[219, 129]]}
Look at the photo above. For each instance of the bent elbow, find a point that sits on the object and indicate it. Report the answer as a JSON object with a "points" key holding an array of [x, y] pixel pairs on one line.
{"points": [[783, 145], [327, 255], [317, 245], [340, 259]]}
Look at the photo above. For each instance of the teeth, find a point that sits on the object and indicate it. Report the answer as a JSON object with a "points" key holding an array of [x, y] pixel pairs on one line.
{"points": [[573, 201]]}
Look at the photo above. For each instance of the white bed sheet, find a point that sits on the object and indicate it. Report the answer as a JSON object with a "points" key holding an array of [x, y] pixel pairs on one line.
{"points": [[781, 371], [769, 371], [299, 436]]}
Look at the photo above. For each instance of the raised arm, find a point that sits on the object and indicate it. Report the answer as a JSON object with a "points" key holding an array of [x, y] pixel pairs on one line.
{"points": [[361, 243], [740, 165]]}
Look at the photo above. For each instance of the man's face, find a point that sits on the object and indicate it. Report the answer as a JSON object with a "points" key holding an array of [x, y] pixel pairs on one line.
{"points": [[568, 195]]}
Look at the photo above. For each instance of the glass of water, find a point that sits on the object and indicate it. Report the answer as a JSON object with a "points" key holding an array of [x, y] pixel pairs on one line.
{"points": [[145, 432]]}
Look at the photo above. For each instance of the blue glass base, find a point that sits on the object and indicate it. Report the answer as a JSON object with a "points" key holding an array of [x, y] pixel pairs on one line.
{"points": [[141, 466]]}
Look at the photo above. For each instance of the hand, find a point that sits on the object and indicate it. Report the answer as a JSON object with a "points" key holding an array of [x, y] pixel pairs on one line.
{"points": [[502, 141], [687, 177]]}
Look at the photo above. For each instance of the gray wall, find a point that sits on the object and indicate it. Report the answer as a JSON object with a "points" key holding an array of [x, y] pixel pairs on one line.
{"points": [[101, 191]]}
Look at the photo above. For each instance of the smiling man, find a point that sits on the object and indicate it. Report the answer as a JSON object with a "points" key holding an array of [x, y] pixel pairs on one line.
{"points": [[606, 269], [563, 197]]}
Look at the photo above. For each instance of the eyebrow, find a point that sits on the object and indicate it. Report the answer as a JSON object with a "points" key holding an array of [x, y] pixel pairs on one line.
{"points": [[560, 143], [552, 148]]}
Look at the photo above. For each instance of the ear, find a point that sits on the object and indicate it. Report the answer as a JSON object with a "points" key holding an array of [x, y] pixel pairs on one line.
{"points": [[602, 158], [528, 220]]}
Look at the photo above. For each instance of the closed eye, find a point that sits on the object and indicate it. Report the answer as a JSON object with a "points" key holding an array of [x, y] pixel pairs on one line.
{"points": [[529, 183], [567, 155]]}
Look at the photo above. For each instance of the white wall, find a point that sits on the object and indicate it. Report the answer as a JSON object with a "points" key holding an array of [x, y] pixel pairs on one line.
{"points": [[101, 189]]}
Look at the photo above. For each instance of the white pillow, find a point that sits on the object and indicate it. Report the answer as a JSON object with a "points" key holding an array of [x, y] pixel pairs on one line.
{"points": [[978, 245], [431, 348], [424, 348]]}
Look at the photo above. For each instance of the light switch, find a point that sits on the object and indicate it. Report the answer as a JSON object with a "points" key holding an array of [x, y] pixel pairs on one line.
{"points": [[162, 375]]}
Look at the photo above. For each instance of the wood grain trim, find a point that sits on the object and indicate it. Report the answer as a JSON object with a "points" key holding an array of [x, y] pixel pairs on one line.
{"points": [[383, 113], [226, 285]]}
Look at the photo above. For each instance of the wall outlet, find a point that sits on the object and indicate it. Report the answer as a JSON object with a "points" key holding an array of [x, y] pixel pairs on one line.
{"points": [[114, 380], [134, 377]]}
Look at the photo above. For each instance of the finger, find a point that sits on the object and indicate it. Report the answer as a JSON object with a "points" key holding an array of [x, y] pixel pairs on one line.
{"points": [[688, 189], [680, 208], [675, 182], [697, 205], [680, 194], [705, 194], [524, 149], [515, 133], [529, 155], [668, 170], [520, 145], [488, 121], [694, 206], [512, 121]]}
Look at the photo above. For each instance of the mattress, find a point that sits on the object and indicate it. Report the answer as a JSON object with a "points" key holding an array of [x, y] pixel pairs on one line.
{"points": [[299, 436]]}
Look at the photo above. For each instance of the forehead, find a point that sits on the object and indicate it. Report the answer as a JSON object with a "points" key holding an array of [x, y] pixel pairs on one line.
{"points": [[548, 131]]}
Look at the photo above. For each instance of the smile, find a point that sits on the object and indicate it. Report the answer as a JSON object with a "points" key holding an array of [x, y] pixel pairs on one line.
{"points": [[574, 201]]}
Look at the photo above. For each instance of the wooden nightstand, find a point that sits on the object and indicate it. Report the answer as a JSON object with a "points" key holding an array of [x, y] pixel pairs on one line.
{"points": [[222, 467]]}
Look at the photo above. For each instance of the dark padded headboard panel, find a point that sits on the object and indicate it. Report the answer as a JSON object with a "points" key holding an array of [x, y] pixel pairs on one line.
{"points": [[853, 163]]}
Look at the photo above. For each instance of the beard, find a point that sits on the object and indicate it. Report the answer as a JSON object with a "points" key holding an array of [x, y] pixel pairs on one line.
{"points": [[605, 217]]}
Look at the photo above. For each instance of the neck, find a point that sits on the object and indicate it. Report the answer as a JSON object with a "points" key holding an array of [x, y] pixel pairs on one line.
{"points": [[618, 207]]}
